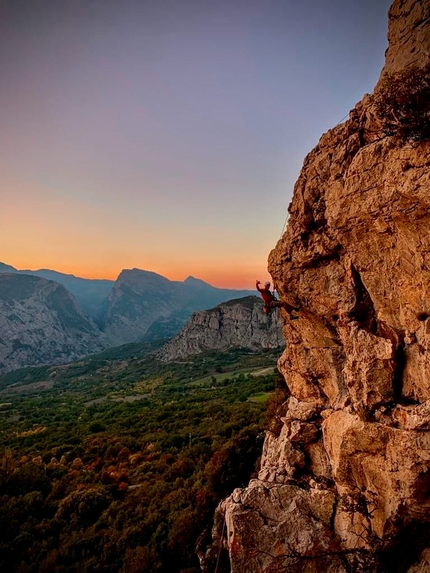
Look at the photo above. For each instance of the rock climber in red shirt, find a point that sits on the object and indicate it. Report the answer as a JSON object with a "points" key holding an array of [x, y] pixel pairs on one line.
{"points": [[270, 301]]}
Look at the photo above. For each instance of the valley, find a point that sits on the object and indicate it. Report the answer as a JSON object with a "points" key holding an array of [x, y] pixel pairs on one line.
{"points": [[47, 317], [126, 455]]}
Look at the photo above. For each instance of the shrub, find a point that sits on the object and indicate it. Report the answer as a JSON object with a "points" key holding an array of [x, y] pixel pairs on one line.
{"points": [[84, 506], [402, 101]]}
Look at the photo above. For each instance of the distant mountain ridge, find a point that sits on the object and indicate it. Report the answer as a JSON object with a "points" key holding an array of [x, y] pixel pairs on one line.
{"points": [[141, 299], [140, 306], [91, 294], [40, 323]]}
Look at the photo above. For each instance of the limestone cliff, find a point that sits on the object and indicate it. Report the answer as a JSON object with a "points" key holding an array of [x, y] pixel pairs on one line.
{"points": [[238, 323], [344, 485]]}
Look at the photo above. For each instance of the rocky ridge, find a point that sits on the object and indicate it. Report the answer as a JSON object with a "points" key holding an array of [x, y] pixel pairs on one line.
{"points": [[239, 323], [90, 294], [345, 474]]}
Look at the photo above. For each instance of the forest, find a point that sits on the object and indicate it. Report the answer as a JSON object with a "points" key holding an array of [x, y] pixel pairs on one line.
{"points": [[116, 463]]}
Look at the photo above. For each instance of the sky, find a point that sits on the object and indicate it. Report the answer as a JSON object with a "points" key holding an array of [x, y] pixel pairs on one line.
{"points": [[167, 135]]}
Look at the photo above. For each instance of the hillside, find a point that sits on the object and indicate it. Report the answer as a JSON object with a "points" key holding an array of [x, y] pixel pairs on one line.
{"points": [[91, 294], [116, 462], [140, 300], [41, 323]]}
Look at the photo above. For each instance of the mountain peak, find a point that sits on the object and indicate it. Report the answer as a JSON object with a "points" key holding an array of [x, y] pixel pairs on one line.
{"points": [[4, 268], [196, 282]]}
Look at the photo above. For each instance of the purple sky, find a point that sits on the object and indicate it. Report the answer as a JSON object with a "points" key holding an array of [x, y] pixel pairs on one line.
{"points": [[167, 135]]}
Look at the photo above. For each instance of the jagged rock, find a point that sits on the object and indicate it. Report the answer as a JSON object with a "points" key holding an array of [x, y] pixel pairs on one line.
{"points": [[280, 456], [317, 460], [408, 35], [238, 323], [356, 255], [302, 432], [413, 417], [296, 523], [302, 410], [369, 367], [382, 471]]}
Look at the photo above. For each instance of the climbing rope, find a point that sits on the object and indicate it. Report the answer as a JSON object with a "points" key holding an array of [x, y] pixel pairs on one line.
{"points": [[268, 323], [273, 311], [220, 545], [286, 218], [342, 120], [276, 327], [285, 224]]}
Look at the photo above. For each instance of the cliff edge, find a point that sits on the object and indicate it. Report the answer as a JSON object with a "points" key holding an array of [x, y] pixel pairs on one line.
{"points": [[344, 483]]}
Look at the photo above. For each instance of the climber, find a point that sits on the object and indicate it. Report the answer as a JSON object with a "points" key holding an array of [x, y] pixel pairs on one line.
{"points": [[270, 301]]}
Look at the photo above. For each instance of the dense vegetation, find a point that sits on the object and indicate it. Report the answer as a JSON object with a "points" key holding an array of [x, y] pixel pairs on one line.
{"points": [[116, 463], [402, 102]]}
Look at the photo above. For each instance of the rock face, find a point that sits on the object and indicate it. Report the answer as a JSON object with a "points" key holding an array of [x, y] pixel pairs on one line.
{"points": [[344, 486], [91, 294], [238, 323], [41, 323]]}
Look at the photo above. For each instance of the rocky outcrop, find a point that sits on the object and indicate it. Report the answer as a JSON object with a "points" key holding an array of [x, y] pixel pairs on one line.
{"points": [[344, 485], [41, 323], [238, 323], [408, 35]]}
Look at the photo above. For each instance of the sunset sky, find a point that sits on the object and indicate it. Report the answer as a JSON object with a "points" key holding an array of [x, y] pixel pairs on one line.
{"points": [[167, 134]]}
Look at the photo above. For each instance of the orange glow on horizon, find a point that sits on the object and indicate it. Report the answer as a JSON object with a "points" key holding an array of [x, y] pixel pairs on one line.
{"points": [[93, 240], [239, 279]]}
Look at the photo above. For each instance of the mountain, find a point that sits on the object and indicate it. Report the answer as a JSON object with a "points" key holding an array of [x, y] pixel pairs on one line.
{"points": [[7, 268], [144, 305], [239, 323], [40, 322], [91, 294], [345, 471], [140, 306]]}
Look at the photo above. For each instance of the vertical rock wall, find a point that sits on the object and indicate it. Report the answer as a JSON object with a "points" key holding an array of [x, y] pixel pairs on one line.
{"points": [[344, 486]]}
